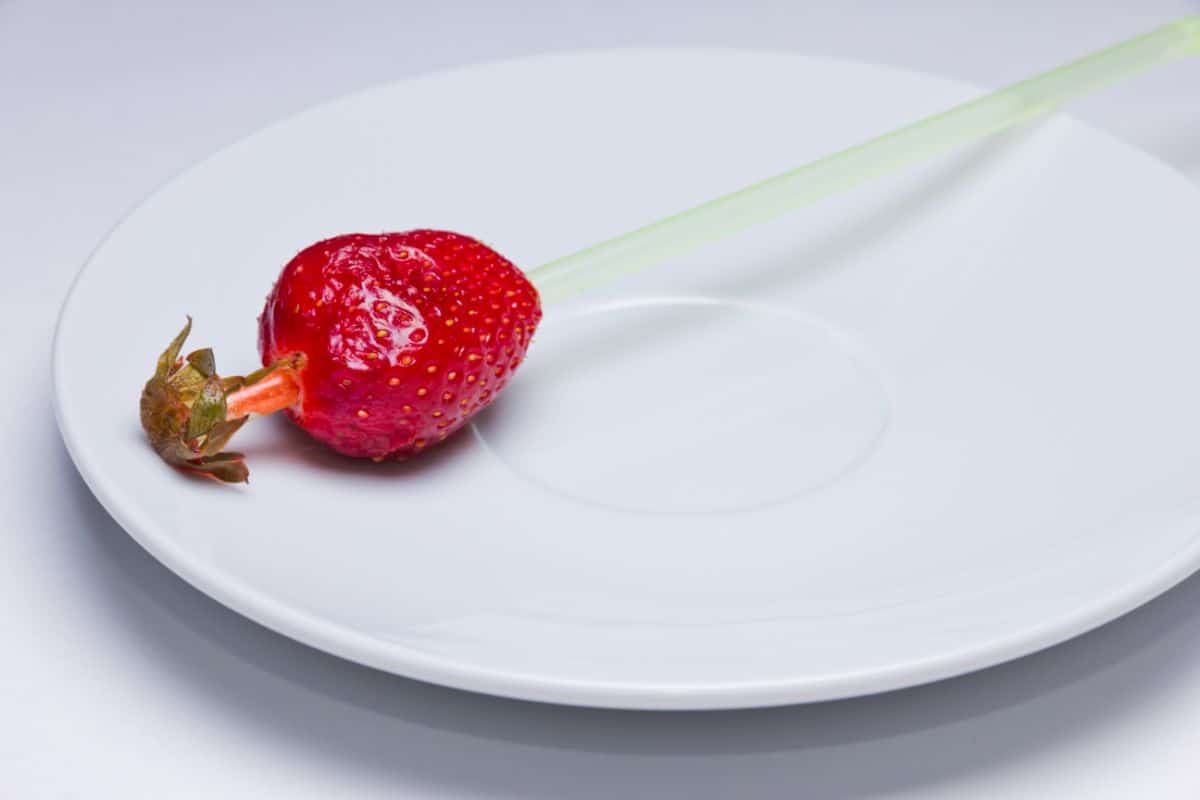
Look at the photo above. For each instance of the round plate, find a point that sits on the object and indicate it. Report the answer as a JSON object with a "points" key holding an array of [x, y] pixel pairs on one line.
{"points": [[940, 422]]}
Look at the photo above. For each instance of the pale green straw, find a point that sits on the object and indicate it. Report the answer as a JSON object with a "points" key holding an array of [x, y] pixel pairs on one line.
{"points": [[843, 170]]}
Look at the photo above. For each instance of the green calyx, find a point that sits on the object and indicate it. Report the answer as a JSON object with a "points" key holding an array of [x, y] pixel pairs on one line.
{"points": [[183, 411]]}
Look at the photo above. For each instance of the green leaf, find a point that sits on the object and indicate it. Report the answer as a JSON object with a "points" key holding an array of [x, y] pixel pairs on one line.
{"points": [[207, 410], [227, 467], [292, 360], [183, 411], [203, 362], [220, 435], [186, 382], [232, 383], [259, 374], [166, 361]]}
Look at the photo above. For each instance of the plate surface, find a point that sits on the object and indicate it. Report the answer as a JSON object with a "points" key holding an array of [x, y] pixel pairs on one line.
{"points": [[941, 422]]}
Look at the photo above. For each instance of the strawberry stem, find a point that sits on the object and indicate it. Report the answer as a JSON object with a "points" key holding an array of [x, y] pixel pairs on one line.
{"points": [[277, 391]]}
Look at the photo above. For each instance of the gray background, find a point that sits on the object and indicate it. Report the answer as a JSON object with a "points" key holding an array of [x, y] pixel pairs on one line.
{"points": [[118, 680]]}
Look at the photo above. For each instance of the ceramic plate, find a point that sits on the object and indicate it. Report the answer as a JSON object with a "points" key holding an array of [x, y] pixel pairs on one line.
{"points": [[943, 421]]}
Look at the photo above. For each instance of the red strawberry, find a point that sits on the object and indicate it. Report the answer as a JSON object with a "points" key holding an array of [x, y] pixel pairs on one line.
{"points": [[378, 345]]}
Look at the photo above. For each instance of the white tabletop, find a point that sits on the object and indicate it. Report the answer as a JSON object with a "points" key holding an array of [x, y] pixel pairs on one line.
{"points": [[119, 680]]}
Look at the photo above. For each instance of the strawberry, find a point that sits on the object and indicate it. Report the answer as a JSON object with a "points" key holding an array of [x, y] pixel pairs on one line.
{"points": [[378, 345], [406, 336]]}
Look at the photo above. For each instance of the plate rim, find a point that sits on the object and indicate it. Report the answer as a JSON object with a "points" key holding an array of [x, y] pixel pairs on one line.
{"points": [[312, 630]]}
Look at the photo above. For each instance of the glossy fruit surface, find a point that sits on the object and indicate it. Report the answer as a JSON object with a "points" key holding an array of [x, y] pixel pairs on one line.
{"points": [[405, 336]]}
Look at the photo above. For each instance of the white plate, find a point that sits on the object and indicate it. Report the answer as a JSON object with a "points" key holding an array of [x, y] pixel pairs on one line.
{"points": [[939, 423]]}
